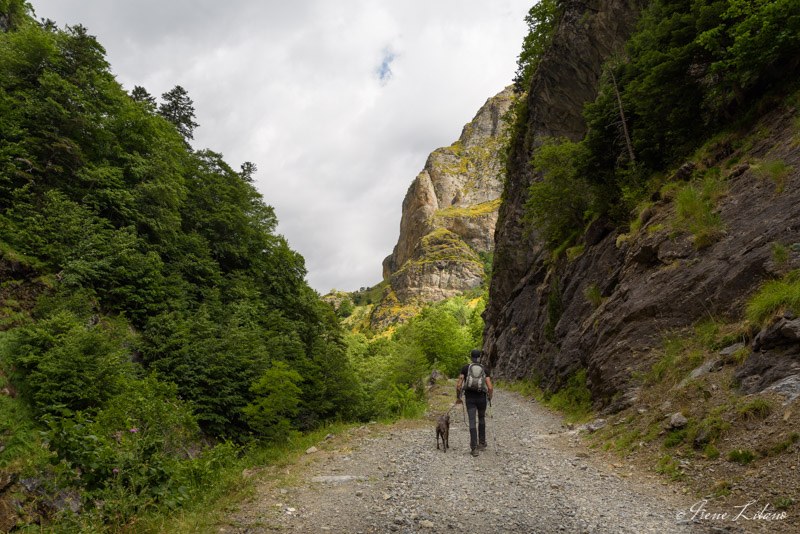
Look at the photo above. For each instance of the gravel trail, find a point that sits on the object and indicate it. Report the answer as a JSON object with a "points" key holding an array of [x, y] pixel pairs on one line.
{"points": [[393, 479]]}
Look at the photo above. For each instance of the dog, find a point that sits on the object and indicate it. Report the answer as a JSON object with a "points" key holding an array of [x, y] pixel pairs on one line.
{"points": [[443, 429]]}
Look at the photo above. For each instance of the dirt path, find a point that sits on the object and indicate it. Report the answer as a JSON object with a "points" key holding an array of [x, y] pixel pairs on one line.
{"points": [[392, 479]]}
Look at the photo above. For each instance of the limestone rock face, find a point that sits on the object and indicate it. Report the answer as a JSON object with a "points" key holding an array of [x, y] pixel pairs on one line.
{"points": [[450, 212], [334, 299], [443, 266]]}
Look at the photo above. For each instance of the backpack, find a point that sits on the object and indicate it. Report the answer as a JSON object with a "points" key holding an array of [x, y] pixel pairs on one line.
{"points": [[476, 378]]}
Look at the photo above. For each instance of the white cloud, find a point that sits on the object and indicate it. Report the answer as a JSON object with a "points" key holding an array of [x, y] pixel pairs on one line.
{"points": [[338, 103]]}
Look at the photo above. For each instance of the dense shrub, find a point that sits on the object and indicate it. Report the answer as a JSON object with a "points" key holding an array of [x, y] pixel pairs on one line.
{"points": [[64, 363], [174, 313], [278, 401]]}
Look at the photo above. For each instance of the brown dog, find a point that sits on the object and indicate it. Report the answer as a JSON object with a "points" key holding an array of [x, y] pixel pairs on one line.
{"points": [[443, 429]]}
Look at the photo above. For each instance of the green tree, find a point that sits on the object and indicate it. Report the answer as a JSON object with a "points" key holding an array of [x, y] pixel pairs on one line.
{"points": [[558, 205], [12, 14], [178, 109], [691, 66], [346, 308], [213, 360], [749, 43], [476, 324], [443, 341], [248, 170], [277, 401], [541, 21], [111, 207], [140, 94], [403, 380], [229, 213]]}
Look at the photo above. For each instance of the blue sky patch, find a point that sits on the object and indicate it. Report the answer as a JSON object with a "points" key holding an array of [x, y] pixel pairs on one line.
{"points": [[384, 71]]}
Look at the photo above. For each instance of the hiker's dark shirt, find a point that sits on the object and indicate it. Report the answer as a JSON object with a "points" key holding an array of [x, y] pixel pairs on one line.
{"points": [[468, 393]]}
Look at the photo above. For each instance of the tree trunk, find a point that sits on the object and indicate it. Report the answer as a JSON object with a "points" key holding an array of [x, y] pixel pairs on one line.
{"points": [[622, 116]]}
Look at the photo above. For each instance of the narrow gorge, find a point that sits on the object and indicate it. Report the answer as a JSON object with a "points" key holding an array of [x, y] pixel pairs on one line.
{"points": [[618, 229]]}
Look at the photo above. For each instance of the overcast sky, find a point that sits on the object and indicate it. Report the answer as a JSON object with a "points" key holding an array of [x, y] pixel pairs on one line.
{"points": [[338, 103]]}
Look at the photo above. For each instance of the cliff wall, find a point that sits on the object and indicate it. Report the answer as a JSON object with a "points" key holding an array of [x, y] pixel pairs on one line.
{"points": [[587, 33], [541, 321]]}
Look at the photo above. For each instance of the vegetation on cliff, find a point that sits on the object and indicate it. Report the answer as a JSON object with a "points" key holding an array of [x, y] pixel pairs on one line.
{"points": [[541, 20], [440, 245], [477, 210], [673, 104], [690, 69]]}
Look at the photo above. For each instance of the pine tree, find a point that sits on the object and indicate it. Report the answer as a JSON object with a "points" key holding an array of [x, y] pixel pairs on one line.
{"points": [[248, 170], [178, 109], [140, 94]]}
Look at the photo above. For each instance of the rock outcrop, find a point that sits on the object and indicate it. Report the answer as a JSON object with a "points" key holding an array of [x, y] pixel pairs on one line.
{"points": [[566, 78], [450, 212], [539, 320]]}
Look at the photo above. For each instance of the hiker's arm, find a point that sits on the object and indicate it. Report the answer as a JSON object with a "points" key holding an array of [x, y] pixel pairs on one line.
{"points": [[458, 388], [489, 385]]}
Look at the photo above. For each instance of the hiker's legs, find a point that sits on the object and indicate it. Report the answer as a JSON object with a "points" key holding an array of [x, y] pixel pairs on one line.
{"points": [[481, 405], [477, 432], [472, 409]]}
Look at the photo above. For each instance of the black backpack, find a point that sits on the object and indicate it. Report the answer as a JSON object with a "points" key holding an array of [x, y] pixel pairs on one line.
{"points": [[476, 378]]}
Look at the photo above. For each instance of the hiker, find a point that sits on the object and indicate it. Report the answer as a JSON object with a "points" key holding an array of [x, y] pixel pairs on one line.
{"points": [[476, 385]]}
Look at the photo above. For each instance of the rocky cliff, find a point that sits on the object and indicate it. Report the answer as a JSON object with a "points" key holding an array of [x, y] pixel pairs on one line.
{"points": [[587, 33], [609, 305], [449, 216]]}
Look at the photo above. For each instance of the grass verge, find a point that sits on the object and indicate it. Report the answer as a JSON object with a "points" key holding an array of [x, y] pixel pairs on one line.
{"points": [[573, 399], [231, 487]]}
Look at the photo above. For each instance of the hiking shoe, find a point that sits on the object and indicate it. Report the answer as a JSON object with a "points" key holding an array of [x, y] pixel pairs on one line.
{"points": [[474, 452], [482, 446]]}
